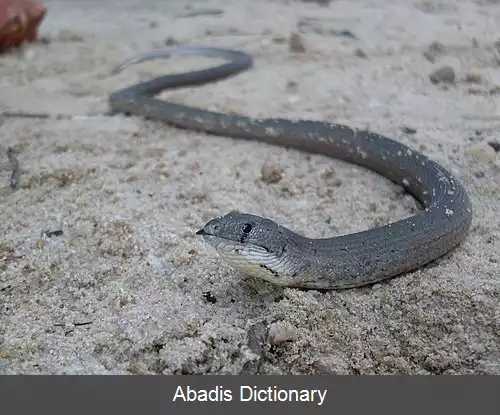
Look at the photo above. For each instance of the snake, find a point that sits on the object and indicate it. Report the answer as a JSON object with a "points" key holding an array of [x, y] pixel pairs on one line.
{"points": [[261, 248]]}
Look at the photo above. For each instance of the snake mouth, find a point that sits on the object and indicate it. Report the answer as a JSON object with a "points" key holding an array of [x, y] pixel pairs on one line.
{"points": [[216, 240]]}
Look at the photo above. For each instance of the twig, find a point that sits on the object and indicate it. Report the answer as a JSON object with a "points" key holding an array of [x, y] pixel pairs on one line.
{"points": [[14, 177], [70, 330], [76, 324], [202, 12], [85, 323], [43, 115], [50, 234], [25, 115]]}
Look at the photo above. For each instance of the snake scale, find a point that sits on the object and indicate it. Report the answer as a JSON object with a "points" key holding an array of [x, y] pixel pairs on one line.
{"points": [[262, 248]]}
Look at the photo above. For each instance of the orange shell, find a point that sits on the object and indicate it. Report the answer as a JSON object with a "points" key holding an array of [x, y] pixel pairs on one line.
{"points": [[19, 21]]}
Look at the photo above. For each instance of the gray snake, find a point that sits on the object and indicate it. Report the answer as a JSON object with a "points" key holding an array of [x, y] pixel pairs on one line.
{"points": [[260, 247]]}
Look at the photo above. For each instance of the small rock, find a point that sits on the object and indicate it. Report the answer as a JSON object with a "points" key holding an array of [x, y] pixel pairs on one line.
{"points": [[495, 145], [346, 33], [163, 172], [495, 90], [437, 48], [408, 130], [256, 336], [256, 340], [44, 40], [210, 297], [434, 50], [360, 53], [292, 86], [171, 41], [445, 74], [271, 172], [474, 78], [429, 56], [296, 43], [40, 243], [281, 332], [481, 152]]}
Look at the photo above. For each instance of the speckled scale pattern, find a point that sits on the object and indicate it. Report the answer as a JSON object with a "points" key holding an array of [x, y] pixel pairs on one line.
{"points": [[341, 262]]}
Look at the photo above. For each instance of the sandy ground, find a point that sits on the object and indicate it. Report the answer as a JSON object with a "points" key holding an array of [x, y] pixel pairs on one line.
{"points": [[129, 288]]}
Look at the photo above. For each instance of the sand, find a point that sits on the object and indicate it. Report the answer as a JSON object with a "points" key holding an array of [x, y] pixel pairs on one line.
{"points": [[129, 288]]}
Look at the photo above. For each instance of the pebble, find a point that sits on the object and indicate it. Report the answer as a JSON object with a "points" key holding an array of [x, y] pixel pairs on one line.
{"points": [[271, 172], [408, 130], [296, 43], [495, 90], [495, 145], [281, 332], [481, 152], [210, 297], [292, 86], [360, 53], [445, 74], [474, 78], [171, 41], [434, 50]]}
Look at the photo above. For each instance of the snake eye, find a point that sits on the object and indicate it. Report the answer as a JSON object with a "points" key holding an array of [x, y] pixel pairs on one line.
{"points": [[246, 228]]}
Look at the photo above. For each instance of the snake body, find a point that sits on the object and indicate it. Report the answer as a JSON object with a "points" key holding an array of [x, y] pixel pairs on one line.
{"points": [[262, 248]]}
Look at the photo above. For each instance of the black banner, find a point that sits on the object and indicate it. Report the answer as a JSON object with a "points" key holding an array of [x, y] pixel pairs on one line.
{"points": [[247, 394]]}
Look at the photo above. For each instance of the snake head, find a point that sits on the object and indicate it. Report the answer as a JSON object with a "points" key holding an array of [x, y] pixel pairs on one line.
{"points": [[251, 244]]}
